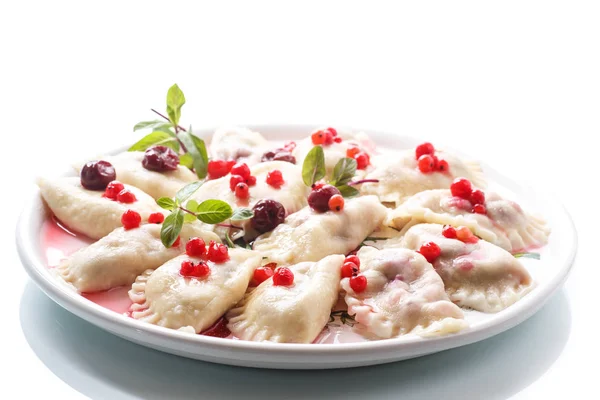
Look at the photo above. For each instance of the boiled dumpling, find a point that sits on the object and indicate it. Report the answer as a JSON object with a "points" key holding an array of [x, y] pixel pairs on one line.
{"points": [[118, 258], [237, 143], [129, 169], [505, 225], [478, 275], [399, 176], [309, 236], [290, 314], [164, 297], [404, 295], [86, 211]]}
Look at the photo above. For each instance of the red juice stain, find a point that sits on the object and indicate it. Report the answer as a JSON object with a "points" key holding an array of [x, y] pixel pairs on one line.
{"points": [[115, 299], [219, 329], [58, 242]]}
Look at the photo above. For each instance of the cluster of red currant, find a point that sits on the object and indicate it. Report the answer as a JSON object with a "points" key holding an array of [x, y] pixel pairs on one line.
{"points": [[350, 269], [196, 247], [462, 188], [427, 161], [131, 219], [116, 191]]}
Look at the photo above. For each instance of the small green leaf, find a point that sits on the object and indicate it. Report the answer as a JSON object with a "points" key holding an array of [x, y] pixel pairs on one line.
{"points": [[153, 139], [313, 167], [185, 192], [197, 150], [348, 191], [186, 160], [229, 241], [241, 214], [535, 256], [344, 171], [171, 228], [213, 211], [175, 100], [192, 205], [187, 217], [167, 203], [157, 125]]}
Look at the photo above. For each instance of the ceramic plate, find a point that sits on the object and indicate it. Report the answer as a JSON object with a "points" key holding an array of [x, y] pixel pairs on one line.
{"points": [[549, 273]]}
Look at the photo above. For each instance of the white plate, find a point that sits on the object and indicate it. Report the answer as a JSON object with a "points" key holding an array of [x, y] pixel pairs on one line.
{"points": [[549, 274]]}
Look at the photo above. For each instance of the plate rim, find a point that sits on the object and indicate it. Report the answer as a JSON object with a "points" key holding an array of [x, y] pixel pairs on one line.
{"points": [[106, 319]]}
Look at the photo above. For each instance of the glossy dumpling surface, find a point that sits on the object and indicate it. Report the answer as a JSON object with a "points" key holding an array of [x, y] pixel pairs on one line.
{"points": [[478, 275], [399, 176], [238, 143], [290, 314], [310, 236], [86, 211], [129, 169], [164, 297], [118, 258], [404, 295], [505, 225]]}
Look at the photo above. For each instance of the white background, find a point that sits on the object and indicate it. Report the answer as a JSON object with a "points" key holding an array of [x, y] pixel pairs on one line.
{"points": [[515, 83]]}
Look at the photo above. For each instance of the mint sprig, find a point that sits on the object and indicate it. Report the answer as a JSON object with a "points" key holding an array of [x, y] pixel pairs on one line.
{"points": [[154, 139], [313, 167], [344, 171]]}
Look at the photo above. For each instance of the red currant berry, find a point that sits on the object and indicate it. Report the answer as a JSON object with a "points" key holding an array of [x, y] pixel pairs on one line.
{"points": [[177, 242], [449, 232], [358, 283], [353, 259], [217, 252], [242, 191], [465, 235], [187, 268], [275, 179], [352, 151], [201, 270], [430, 251], [283, 277], [241, 169], [443, 166], [195, 247], [234, 180], [251, 180], [362, 160], [318, 199], [126, 196], [260, 275], [426, 164], [333, 131], [479, 209], [113, 189], [131, 219], [425, 148], [271, 265], [336, 202], [156, 218], [349, 269], [477, 197], [328, 138], [337, 139], [218, 168], [461, 187], [318, 137]]}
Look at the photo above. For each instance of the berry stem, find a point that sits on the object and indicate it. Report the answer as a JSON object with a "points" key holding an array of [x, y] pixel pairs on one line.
{"points": [[363, 181], [188, 211], [177, 128], [228, 226]]}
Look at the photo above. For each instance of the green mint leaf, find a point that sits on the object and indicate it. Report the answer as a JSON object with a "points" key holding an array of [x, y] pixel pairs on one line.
{"points": [[154, 139], [175, 100], [171, 228], [192, 205], [185, 192], [157, 125], [213, 211], [187, 218], [535, 256], [186, 160], [166, 203], [344, 171], [241, 214], [197, 150], [348, 191], [313, 167], [228, 240]]}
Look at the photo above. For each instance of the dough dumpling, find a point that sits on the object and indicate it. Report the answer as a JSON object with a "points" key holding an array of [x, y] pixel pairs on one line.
{"points": [[481, 276], [404, 295], [163, 297], [238, 143], [309, 236], [399, 176], [290, 314], [118, 258], [505, 225], [86, 211]]}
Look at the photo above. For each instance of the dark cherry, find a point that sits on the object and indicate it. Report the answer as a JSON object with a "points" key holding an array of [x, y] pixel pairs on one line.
{"points": [[267, 215], [318, 199], [160, 158], [268, 156], [285, 156], [96, 175]]}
